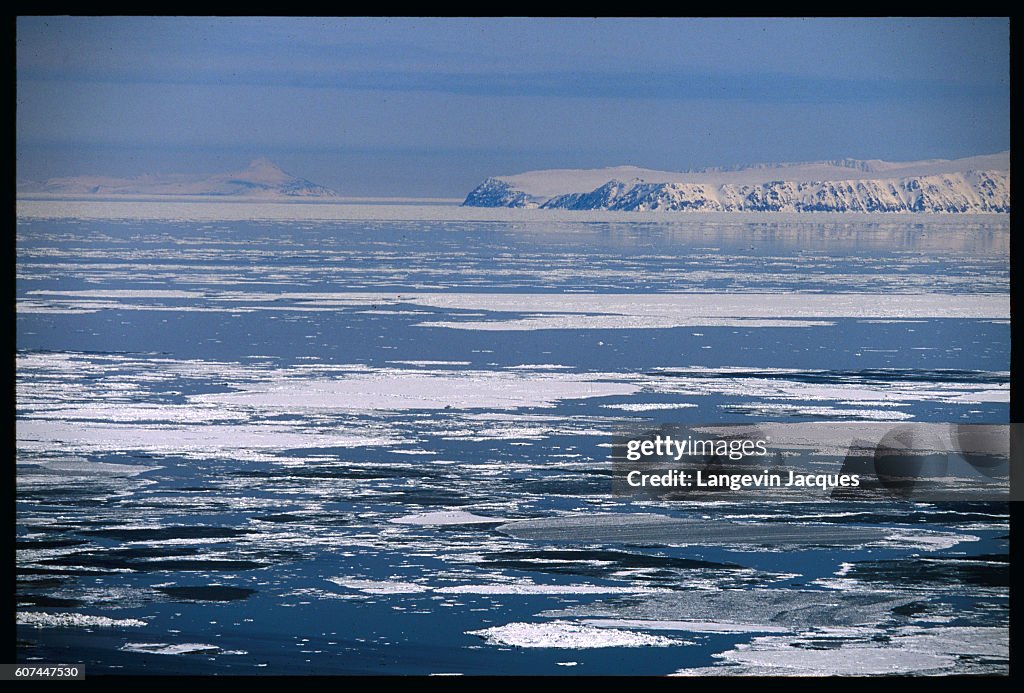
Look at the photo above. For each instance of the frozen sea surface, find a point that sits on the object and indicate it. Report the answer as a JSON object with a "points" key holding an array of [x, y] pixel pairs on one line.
{"points": [[366, 439]]}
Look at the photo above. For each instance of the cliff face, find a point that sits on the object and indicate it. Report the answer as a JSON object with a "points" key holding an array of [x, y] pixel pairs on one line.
{"points": [[867, 188]]}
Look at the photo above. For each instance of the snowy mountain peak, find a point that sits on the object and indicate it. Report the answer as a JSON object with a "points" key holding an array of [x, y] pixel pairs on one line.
{"points": [[262, 162], [264, 169]]}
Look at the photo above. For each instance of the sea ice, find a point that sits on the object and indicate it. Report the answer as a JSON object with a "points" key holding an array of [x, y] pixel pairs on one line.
{"points": [[41, 619], [567, 635]]}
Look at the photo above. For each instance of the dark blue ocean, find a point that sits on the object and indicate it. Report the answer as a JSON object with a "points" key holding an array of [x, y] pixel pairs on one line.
{"points": [[305, 447]]}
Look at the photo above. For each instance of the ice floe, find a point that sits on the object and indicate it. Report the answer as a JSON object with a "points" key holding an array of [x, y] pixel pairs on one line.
{"points": [[746, 610], [532, 588], [647, 529], [689, 626], [522, 587], [446, 517], [41, 619], [85, 468], [652, 406], [542, 311], [178, 648], [380, 586], [960, 650], [570, 636], [390, 389]]}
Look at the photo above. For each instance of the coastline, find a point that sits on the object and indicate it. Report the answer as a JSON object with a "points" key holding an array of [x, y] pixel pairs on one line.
{"points": [[194, 208]]}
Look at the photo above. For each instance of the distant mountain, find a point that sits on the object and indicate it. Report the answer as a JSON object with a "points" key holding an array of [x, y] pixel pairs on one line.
{"points": [[261, 179], [974, 184]]}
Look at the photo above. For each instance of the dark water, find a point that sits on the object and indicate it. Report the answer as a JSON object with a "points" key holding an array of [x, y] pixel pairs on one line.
{"points": [[219, 424]]}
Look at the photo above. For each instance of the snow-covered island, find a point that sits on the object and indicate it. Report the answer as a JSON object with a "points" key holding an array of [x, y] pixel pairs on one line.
{"points": [[262, 178], [970, 185]]}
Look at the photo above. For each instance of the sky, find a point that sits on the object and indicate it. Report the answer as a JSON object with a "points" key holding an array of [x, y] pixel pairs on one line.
{"points": [[431, 107]]}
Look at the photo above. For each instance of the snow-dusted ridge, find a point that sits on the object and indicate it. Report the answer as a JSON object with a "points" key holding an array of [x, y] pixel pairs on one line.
{"points": [[970, 185]]}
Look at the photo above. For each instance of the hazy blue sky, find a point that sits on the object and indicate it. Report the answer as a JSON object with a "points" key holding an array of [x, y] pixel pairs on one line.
{"points": [[432, 106]]}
